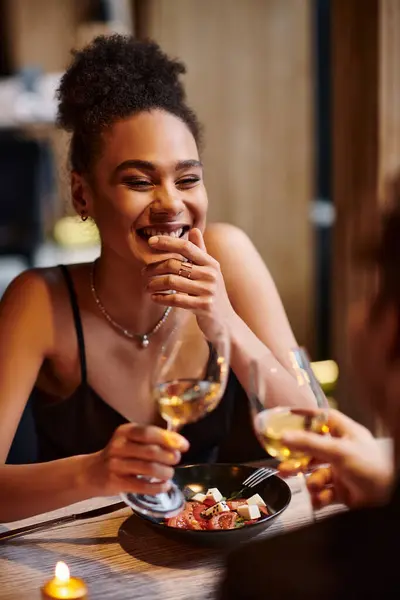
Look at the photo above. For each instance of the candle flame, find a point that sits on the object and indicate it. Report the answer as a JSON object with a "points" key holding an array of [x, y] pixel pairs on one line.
{"points": [[62, 572]]}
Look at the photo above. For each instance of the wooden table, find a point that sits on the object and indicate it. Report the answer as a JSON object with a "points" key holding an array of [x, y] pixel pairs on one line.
{"points": [[120, 558]]}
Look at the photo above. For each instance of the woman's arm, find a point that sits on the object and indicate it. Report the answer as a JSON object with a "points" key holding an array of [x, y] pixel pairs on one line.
{"points": [[258, 325], [28, 490], [26, 339]]}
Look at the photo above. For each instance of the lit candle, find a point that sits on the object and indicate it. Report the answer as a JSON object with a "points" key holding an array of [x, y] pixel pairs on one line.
{"points": [[64, 586]]}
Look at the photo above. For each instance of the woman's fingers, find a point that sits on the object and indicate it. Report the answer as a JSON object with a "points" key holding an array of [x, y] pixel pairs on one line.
{"points": [[185, 248], [321, 447], [197, 304], [179, 284], [154, 435], [319, 479], [323, 497], [149, 452], [135, 485], [319, 484], [134, 456], [123, 467], [290, 467], [196, 237], [172, 266], [341, 425]]}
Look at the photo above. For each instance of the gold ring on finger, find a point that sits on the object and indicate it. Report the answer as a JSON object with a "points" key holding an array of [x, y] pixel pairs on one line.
{"points": [[185, 270]]}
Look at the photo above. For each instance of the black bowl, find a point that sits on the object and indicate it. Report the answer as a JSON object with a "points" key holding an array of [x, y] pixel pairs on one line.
{"points": [[228, 479]]}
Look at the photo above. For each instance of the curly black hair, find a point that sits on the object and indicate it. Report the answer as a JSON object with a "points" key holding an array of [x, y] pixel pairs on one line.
{"points": [[114, 77]]}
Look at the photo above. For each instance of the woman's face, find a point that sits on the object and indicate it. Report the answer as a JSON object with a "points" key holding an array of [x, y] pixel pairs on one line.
{"points": [[147, 181]]}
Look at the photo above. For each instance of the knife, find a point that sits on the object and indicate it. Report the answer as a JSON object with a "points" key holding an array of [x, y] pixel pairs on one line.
{"points": [[89, 514]]}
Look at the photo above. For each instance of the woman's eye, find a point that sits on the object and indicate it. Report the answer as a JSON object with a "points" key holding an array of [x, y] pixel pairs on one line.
{"points": [[138, 183], [187, 181]]}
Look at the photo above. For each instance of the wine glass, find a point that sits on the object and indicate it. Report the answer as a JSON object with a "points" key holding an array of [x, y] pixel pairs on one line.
{"points": [[270, 423], [189, 381]]}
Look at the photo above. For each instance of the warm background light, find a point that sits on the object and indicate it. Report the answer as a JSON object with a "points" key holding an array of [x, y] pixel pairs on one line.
{"points": [[327, 373]]}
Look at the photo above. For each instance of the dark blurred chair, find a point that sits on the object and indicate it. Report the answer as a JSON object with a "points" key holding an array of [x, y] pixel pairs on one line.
{"points": [[23, 164]]}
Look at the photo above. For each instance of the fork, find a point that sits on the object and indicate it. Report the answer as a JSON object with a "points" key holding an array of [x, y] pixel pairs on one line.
{"points": [[254, 479]]}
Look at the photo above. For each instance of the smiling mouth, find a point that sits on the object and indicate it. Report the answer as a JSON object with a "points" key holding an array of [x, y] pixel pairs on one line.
{"points": [[147, 232]]}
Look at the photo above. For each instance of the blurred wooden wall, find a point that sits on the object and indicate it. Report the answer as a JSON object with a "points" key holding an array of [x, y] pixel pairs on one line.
{"points": [[366, 150], [42, 32], [250, 78]]}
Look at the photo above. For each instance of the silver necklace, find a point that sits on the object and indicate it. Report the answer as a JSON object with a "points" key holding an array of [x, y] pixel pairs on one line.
{"points": [[143, 339]]}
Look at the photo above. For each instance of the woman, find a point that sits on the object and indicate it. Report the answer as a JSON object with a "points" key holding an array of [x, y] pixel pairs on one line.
{"points": [[85, 338], [350, 555]]}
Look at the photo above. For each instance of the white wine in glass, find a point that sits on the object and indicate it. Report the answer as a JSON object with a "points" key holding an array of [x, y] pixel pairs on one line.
{"points": [[189, 382], [271, 423], [186, 401]]}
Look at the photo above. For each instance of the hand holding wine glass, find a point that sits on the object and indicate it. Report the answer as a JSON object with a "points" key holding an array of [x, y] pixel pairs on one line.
{"points": [[271, 424], [189, 381], [360, 473], [133, 450]]}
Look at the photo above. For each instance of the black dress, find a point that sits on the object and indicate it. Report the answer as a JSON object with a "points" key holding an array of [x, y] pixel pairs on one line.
{"points": [[84, 423]]}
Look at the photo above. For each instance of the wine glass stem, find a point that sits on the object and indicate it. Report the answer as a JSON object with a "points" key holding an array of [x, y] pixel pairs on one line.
{"points": [[171, 426]]}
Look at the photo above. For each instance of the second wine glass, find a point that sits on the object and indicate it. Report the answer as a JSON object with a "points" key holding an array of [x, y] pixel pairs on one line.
{"points": [[270, 423]]}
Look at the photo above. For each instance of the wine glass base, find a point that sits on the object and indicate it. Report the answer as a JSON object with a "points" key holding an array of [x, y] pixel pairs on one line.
{"points": [[164, 505]]}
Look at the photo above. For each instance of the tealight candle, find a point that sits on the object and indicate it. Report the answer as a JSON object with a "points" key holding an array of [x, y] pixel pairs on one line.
{"points": [[62, 586]]}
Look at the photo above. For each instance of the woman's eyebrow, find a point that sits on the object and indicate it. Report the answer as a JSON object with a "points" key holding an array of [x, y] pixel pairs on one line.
{"points": [[145, 165], [187, 164]]}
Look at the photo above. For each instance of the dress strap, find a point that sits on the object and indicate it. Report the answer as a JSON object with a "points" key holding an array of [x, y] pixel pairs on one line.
{"points": [[77, 320]]}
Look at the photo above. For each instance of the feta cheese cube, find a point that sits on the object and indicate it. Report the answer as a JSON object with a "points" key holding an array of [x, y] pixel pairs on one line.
{"points": [[256, 499], [249, 511], [199, 497], [215, 494], [220, 507]]}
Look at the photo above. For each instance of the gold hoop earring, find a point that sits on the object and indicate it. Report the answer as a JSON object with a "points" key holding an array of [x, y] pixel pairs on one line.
{"points": [[84, 217]]}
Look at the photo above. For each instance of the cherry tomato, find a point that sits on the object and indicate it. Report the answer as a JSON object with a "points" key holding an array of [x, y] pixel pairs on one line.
{"points": [[209, 502], [180, 521], [224, 521], [198, 508]]}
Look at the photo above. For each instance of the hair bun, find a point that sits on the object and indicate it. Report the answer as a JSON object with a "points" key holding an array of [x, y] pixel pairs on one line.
{"points": [[113, 78], [117, 75]]}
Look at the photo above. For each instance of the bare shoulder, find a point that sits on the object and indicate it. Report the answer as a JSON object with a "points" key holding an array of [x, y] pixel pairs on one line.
{"points": [[226, 242], [33, 285], [26, 315], [249, 284], [32, 300], [41, 283], [28, 284]]}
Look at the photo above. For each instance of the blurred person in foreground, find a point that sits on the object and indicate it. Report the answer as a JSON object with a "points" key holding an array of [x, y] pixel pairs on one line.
{"points": [[352, 554]]}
